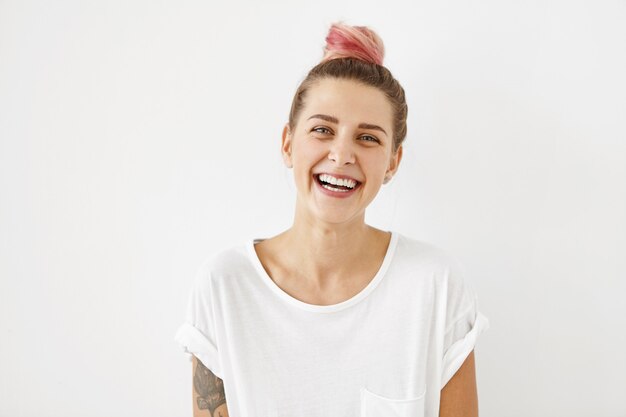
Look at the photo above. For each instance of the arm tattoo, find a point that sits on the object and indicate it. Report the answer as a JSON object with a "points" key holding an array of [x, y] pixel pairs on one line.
{"points": [[210, 389]]}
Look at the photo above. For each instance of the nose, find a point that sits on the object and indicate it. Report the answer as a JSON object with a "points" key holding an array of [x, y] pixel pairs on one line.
{"points": [[341, 150]]}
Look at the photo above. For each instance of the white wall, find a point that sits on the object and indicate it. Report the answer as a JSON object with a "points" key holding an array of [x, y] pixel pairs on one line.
{"points": [[138, 137]]}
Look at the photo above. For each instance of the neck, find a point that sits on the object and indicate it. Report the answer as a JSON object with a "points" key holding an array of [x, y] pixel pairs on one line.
{"points": [[325, 254]]}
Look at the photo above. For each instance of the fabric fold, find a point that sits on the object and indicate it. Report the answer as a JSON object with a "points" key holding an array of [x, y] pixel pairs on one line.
{"points": [[460, 350], [194, 342]]}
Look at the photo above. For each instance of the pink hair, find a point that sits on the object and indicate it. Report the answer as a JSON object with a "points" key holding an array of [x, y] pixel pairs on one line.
{"points": [[358, 42], [355, 53]]}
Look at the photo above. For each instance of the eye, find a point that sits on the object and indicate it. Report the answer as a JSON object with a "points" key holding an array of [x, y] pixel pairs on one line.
{"points": [[369, 138], [321, 129]]}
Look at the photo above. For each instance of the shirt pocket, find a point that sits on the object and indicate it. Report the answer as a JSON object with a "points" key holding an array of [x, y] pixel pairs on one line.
{"points": [[375, 405]]}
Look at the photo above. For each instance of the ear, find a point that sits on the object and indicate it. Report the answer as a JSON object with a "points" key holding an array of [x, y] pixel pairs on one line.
{"points": [[394, 163], [286, 146]]}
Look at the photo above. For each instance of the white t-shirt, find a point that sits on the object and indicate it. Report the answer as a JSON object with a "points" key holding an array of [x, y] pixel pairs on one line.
{"points": [[387, 351]]}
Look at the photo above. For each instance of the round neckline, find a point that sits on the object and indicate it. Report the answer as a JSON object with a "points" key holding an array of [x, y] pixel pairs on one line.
{"points": [[263, 275]]}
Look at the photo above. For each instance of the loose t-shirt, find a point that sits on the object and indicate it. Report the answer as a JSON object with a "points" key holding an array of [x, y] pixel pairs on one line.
{"points": [[387, 351]]}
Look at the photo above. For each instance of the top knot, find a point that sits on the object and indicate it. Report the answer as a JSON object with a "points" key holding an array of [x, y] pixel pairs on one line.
{"points": [[360, 42]]}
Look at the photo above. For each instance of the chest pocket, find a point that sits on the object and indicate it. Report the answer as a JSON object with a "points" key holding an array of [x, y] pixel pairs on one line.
{"points": [[374, 405]]}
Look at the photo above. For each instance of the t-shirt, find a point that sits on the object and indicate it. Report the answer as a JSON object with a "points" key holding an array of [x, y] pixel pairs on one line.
{"points": [[387, 351]]}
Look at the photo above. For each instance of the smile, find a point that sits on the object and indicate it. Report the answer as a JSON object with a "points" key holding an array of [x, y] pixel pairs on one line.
{"points": [[336, 187]]}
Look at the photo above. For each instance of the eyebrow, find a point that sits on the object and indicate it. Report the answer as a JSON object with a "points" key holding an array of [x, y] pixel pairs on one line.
{"points": [[335, 120]]}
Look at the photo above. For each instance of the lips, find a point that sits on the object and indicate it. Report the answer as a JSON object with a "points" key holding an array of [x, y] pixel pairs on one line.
{"points": [[333, 190]]}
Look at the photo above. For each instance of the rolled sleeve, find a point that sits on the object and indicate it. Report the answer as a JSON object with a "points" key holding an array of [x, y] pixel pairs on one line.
{"points": [[197, 335], [194, 342], [456, 354], [463, 324]]}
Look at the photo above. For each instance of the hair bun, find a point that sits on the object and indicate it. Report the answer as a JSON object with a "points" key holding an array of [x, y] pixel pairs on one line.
{"points": [[360, 42]]}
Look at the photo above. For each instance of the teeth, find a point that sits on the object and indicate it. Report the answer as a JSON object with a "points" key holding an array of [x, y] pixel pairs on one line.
{"points": [[328, 187], [338, 181]]}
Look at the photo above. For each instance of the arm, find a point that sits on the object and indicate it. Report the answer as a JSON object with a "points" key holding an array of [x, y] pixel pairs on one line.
{"points": [[459, 398], [209, 399]]}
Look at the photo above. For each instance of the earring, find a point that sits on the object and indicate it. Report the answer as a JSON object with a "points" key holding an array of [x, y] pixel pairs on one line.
{"points": [[387, 179]]}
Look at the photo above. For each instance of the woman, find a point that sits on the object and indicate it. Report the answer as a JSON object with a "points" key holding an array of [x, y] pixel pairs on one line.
{"points": [[333, 316]]}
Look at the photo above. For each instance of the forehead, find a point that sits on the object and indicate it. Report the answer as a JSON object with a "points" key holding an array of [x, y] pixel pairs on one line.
{"points": [[349, 101]]}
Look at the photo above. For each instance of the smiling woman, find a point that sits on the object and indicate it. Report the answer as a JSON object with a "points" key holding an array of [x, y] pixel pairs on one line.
{"points": [[333, 316], [341, 133]]}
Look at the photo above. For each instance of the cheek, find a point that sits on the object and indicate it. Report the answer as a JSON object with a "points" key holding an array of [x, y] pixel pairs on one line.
{"points": [[375, 166], [309, 152], [303, 163]]}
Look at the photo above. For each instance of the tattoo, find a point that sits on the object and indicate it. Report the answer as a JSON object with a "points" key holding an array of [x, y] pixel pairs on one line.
{"points": [[210, 389]]}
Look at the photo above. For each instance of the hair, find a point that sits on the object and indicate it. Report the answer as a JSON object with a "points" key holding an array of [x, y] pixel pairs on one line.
{"points": [[355, 53]]}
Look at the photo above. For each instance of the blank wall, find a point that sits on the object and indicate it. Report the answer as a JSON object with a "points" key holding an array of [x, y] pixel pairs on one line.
{"points": [[139, 137]]}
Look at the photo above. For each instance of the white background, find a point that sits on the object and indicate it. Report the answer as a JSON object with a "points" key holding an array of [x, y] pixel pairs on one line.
{"points": [[139, 137]]}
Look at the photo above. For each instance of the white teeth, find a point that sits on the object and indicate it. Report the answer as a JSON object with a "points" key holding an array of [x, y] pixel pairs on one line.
{"points": [[338, 181], [328, 187]]}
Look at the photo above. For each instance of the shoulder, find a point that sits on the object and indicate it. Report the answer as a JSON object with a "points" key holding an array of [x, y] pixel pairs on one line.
{"points": [[431, 260], [226, 262], [450, 285], [423, 253]]}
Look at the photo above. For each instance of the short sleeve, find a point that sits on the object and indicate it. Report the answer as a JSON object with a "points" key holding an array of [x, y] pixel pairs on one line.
{"points": [[197, 334], [463, 324]]}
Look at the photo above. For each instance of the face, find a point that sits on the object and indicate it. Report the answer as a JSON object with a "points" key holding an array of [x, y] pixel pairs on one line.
{"points": [[343, 138]]}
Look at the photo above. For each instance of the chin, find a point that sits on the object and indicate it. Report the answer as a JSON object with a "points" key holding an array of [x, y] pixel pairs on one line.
{"points": [[337, 217]]}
